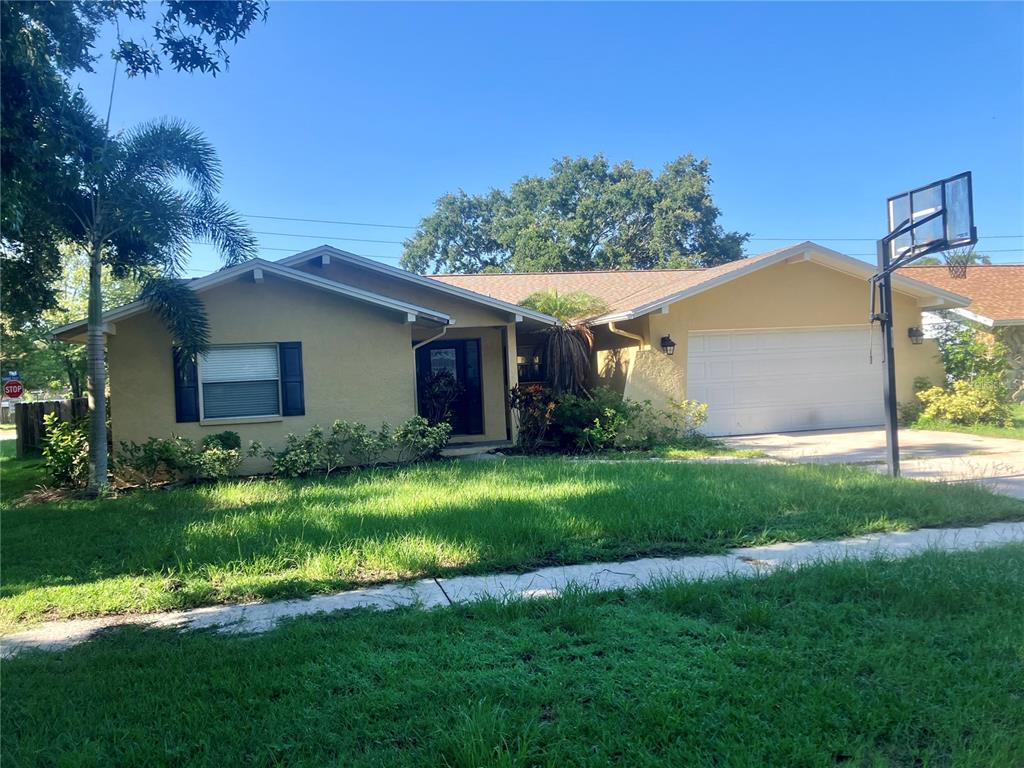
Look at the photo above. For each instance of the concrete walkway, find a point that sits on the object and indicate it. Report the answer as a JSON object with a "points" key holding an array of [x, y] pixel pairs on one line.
{"points": [[948, 457], [546, 582]]}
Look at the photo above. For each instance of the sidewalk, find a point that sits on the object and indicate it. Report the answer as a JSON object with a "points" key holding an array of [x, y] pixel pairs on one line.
{"points": [[546, 582]]}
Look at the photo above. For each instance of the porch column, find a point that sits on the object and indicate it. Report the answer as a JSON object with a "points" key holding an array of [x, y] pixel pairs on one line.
{"points": [[511, 374]]}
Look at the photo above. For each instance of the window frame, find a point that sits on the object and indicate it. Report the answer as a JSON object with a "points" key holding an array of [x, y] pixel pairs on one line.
{"points": [[254, 419]]}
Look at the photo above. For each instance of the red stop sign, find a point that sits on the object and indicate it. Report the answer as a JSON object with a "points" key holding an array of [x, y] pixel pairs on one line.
{"points": [[13, 389]]}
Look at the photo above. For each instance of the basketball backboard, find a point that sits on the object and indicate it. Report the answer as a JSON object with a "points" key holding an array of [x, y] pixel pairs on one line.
{"points": [[935, 217]]}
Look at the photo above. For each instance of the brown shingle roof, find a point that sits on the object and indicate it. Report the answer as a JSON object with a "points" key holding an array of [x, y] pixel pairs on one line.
{"points": [[620, 290], [996, 290]]}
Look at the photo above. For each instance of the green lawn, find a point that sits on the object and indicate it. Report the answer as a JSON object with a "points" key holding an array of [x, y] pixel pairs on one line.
{"points": [[689, 450], [988, 430], [912, 663], [17, 476], [262, 539]]}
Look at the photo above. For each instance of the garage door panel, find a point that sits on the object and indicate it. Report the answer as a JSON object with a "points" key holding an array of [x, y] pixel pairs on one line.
{"points": [[770, 380]]}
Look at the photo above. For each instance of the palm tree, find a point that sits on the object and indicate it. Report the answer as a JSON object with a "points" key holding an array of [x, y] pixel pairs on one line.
{"points": [[568, 345], [147, 194]]}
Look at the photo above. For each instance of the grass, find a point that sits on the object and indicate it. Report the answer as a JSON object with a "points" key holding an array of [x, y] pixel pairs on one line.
{"points": [[17, 476], [242, 540], [1015, 431], [911, 663], [686, 450]]}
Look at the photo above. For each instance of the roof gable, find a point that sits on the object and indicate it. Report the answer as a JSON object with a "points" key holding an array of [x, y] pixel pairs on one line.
{"points": [[629, 294], [487, 300], [258, 268]]}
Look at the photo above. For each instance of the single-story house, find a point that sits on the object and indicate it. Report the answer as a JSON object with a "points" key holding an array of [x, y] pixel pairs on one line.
{"points": [[996, 308], [778, 341]]}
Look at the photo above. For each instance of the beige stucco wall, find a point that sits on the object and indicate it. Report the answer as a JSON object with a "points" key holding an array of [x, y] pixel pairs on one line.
{"points": [[358, 362], [784, 295], [471, 321]]}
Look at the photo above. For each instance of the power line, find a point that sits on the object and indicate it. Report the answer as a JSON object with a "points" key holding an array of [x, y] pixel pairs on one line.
{"points": [[870, 240], [330, 221], [327, 237]]}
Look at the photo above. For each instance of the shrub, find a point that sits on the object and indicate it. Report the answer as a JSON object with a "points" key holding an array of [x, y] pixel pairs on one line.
{"points": [[163, 459], [980, 401], [417, 440], [228, 440], [589, 422], [158, 459], [967, 356], [909, 412], [354, 444], [533, 407], [437, 393], [648, 426], [216, 463], [599, 420], [66, 450]]}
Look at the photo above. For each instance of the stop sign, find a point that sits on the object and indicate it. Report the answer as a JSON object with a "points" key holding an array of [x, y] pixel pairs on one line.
{"points": [[13, 389]]}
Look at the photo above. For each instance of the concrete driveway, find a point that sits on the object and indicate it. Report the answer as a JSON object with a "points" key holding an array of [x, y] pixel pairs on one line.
{"points": [[940, 456]]}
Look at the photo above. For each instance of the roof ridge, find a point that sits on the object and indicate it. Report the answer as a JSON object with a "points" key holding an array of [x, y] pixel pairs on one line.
{"points": [[573, 272], [945, 266]]}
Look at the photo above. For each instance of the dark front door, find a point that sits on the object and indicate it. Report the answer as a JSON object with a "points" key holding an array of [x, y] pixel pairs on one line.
{"points": [[461, 359]]}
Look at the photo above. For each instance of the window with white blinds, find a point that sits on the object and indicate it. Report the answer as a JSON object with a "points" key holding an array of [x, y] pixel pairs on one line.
{"points": [[240, 381]]}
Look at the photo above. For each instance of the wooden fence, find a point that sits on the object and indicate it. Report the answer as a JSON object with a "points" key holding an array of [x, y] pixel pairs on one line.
{"points": [[28, 419]]}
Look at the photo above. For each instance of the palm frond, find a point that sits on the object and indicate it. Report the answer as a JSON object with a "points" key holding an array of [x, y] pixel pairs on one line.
{"points": [[182, 312], [214, 222], [151, 226], [170, 147], [567, 307]]}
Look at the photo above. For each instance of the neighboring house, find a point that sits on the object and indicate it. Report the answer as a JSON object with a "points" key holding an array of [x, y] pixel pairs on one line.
{"points": [[778, 341], [996, 292]]}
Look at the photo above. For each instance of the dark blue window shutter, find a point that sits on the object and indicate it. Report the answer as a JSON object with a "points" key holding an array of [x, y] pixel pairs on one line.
{"points": [[186, 387], [293, 398]]}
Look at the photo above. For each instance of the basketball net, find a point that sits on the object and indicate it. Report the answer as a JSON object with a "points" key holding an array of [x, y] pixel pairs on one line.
{"points": [[957, 262]]}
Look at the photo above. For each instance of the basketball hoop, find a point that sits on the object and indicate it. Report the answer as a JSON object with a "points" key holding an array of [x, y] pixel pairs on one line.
{"points": [[935, 218], [957, 262]]}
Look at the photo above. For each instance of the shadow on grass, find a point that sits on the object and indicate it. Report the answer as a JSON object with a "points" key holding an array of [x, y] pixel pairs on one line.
{"points": [[263, 539]]}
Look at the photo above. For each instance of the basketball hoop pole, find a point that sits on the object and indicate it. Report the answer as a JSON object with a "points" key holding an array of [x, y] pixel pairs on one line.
{"points": [[920, 222], [885, 320]]}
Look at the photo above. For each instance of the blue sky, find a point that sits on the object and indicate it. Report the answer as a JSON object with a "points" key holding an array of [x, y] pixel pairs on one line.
{"points": [[811, 114]]}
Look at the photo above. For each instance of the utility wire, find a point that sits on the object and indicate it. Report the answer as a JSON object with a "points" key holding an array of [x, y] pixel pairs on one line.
{"points": [[329, 221], [326, 237]]}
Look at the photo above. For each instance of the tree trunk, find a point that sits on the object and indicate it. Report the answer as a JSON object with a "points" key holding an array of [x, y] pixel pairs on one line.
{"points": [[96, 367], [74, 379]]}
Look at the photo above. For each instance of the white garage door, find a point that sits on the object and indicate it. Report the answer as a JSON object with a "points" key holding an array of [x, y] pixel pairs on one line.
{"points": [[784, 381]]}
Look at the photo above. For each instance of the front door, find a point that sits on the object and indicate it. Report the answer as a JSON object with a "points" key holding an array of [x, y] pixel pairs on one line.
{"points": [[460, 358]]}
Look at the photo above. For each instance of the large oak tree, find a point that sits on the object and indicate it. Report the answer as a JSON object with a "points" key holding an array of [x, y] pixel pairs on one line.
{"points": [[585, 215]]}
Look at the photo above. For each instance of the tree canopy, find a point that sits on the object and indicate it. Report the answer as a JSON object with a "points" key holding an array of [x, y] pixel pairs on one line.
{"points": [[585, 215], [48, 134]]}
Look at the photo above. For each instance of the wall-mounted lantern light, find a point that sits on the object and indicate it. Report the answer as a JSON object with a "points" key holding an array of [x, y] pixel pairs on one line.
{"points": [[668, 346], [916, 335]]}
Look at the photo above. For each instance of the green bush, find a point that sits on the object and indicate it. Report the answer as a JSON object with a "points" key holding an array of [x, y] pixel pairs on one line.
{"points": [[588, 422], [910, 411], [967, 356], [533, 407], [600, 420], [228, 440], [983, 400], [354, 444], [165, 459], [418, 440], [66, 450]]}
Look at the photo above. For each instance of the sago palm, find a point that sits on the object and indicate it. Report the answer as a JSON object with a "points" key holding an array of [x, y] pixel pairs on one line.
{"points": [[568, 345], [148, 195]]}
